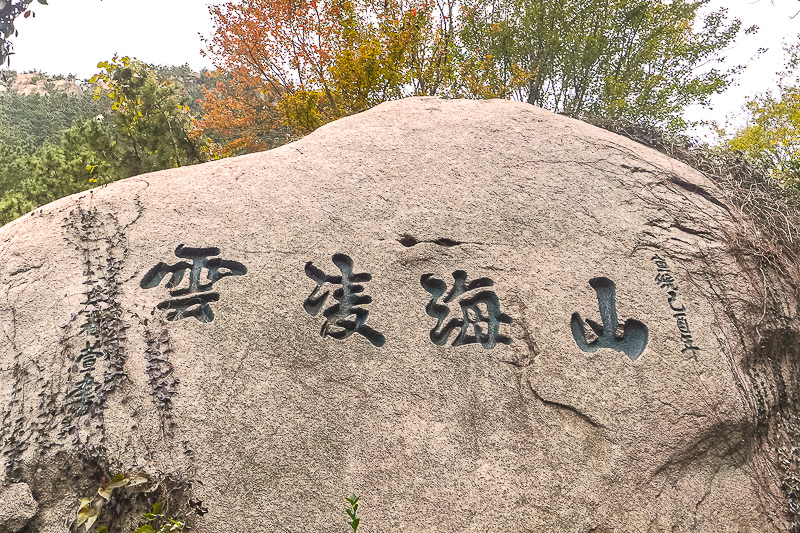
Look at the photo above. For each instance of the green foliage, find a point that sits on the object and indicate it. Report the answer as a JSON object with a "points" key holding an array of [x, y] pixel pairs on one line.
{"points": [[31, 121], [189, 82], [152, 118], [352, 512], [84, 159], [772, 135], [631, 59], [156, 522], [127, 487], [145, 124]]}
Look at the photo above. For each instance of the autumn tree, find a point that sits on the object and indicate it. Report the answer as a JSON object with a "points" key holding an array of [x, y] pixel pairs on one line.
{"points": [[239, 117], [317, 60], [302, 63]]}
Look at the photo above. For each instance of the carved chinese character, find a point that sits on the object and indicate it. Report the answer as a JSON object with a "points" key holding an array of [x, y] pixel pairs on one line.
{"points": [[89, 355], [633, 339], [193, 300], [338, 323], [481, 315], [666, 281], [81, 398]]}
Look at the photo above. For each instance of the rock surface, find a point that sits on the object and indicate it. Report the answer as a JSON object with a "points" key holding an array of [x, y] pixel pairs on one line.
{"points": [[35, 83], [17, 507], [592, 369]]}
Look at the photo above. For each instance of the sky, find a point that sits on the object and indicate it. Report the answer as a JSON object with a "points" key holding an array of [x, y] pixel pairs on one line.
{"points": [[72, 36]]}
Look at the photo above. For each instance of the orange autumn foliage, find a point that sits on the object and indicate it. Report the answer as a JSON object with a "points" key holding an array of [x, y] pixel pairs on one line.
{"points": [[239, 118], [290, 66]]}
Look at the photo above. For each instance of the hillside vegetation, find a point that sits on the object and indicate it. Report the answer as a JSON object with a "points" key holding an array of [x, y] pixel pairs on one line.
{"points": [[61, 136]]}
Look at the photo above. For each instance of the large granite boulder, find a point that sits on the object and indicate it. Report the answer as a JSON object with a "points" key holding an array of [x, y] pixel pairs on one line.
{"points": [[478, 316]]}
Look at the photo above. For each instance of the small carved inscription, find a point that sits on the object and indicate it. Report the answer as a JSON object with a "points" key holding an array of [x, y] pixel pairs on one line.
{"points": [[667, 281], [633, 339], [338, 323], [481, 315], [82, 397], [194, 300]]}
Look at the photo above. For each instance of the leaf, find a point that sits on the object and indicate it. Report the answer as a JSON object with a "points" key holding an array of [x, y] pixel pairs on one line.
{"points": [[83, 514], [92, 513], [102, 529], [157, 507], [138, 479], [119, 480], [147, 528]]}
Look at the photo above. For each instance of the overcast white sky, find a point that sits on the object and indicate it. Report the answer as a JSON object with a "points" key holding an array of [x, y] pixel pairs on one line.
{"points": [[72, 36]]}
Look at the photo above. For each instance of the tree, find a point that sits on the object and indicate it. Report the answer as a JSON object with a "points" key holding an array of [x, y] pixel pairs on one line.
{"points": [[240, 118], [771, 136], [33, 120], [146, 126], [154, 128], [9, 11], [318, 60], [315, 61], [631, 59]]}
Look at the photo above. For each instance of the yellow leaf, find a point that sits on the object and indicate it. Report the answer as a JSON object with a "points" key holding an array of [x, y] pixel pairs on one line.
{"points": [[83, 515], [87, 513], [117, 481], [138, 479]]}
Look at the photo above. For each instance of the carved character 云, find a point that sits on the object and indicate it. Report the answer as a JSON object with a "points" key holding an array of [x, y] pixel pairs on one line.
{"points": [[194, 300]]}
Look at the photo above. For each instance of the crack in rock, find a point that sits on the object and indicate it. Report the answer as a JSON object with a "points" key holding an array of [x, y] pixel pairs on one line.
{"points": [[408, 241], [571, 409]]}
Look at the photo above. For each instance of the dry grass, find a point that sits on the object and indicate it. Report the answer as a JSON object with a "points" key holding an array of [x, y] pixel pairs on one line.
{"points": [[770, 211], [767, 245]]}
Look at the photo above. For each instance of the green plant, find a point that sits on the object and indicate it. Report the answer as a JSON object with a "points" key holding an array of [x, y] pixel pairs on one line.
{"points": [[353, 512], [156, 518], [119, 502]]}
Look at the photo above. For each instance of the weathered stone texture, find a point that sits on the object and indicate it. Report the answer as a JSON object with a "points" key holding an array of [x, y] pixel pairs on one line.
{"points": [[17, 507], [280, 423]]}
